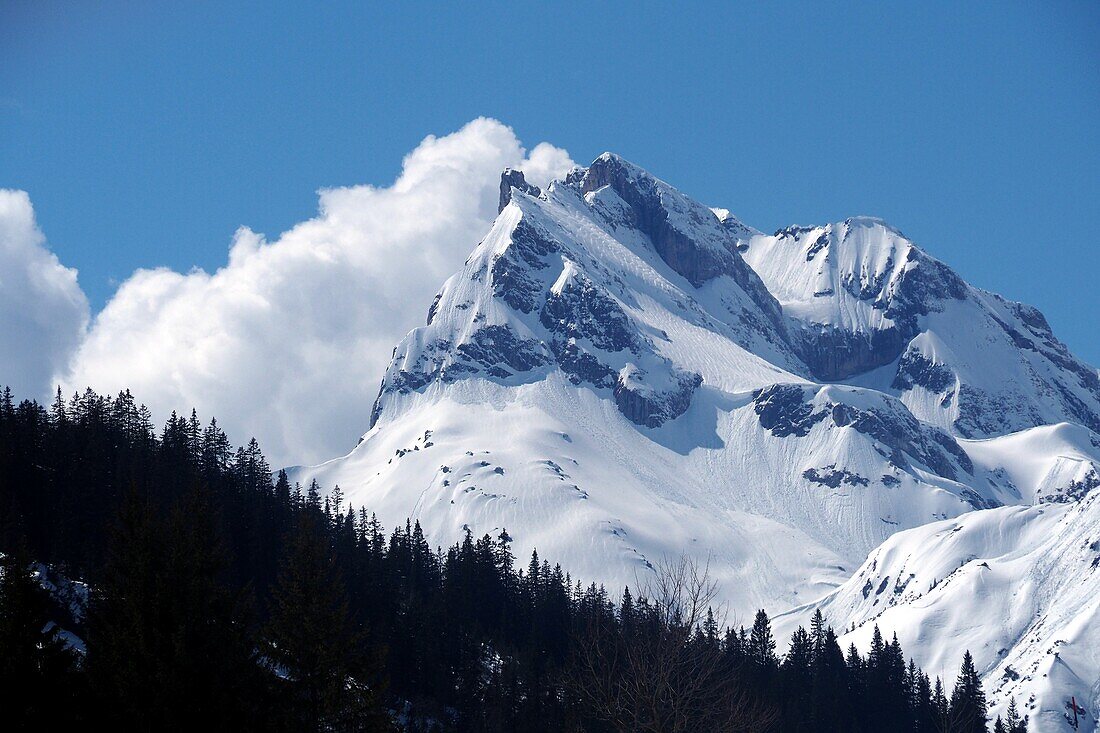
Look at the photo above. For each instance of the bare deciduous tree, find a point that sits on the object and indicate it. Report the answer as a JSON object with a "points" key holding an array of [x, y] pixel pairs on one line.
{"points": [[659, 667]]}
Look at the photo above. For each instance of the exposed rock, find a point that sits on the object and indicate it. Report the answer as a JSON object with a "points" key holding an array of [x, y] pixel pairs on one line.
{"points": [[982, 415], [676, 248], [834, 353], [512, 270], [833, 477], [783, 410], [582, 366], [643, 405], [917, 370], [1074, 491], [904, 435], [581, 310], [510, 179], [493, 346]]}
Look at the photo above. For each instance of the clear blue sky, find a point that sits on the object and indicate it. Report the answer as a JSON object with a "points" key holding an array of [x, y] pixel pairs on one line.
{"points": [[146, 133]]}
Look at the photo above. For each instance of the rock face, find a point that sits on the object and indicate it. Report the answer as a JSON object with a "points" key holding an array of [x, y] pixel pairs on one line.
{"points": [[643, 404], [687, 235], [903, 441], [510, 179], [859, 266], [917, 370], [657, 216], [834, 354]]}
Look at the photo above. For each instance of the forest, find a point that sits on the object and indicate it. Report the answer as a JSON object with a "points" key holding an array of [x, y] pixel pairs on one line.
{"points": [[165, 580]]}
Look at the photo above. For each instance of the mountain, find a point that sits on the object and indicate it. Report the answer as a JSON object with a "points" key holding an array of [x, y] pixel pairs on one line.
{"points": [[619, 373]]}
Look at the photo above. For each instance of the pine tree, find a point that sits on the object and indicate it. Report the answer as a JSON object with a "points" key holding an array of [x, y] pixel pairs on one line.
{"points": [[762, 643], [876, 655], [857, 669], [127, 654], [925, 718], [1013, 722], [968, 706], [168, 645], [709, 629], [941, 713], [796, 681], [313, 647], [828, 687]]}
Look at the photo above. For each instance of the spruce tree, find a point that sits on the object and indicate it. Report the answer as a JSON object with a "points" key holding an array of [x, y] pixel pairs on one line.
{"points": [[762, 643], [313, 647], [923, 713], [168, 643], [1013, 722], [796, 681], [968, 705], [941, 712]]}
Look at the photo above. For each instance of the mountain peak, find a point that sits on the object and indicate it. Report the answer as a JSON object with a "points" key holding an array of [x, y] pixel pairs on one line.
{"points": [[872, 221], [619, 374]]}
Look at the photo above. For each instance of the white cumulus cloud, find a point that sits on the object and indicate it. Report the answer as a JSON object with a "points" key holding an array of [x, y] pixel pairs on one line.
{"points": [[43, 311], [288, 341]]}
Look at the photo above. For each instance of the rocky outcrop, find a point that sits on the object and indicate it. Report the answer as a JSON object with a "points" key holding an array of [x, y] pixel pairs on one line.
{"points": [[833, 477], [644, 405], [917, 370], [696, 263], [1076, 490], [495, 347], [513, 270], [783, 410], [510, 179], [580, 310], [905, 437]]}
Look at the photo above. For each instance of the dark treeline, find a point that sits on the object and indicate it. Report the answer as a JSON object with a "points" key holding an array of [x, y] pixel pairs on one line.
{"points": [[223, 597]]}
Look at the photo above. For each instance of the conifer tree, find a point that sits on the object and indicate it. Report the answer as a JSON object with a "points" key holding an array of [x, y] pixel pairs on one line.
{"points": [[941, 712], [923, 711], [481, 646], [1013, 722], [968, 705], [762, 643], [828, 688], [797, 681], [168, 643], [312, 645]]}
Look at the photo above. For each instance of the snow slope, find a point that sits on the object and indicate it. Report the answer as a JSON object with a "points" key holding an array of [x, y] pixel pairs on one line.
{"points": [[1017, 586], [619, 373]]}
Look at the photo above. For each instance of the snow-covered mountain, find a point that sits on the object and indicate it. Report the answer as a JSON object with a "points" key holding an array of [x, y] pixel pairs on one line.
{"points": [[619, 373]]}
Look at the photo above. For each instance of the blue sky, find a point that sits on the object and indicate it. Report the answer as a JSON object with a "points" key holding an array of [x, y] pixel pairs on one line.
{"points": [[146, 134]]}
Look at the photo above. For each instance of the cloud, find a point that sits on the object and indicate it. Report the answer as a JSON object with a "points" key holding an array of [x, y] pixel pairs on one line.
{"points": [[288, 341], [43, 311]]}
